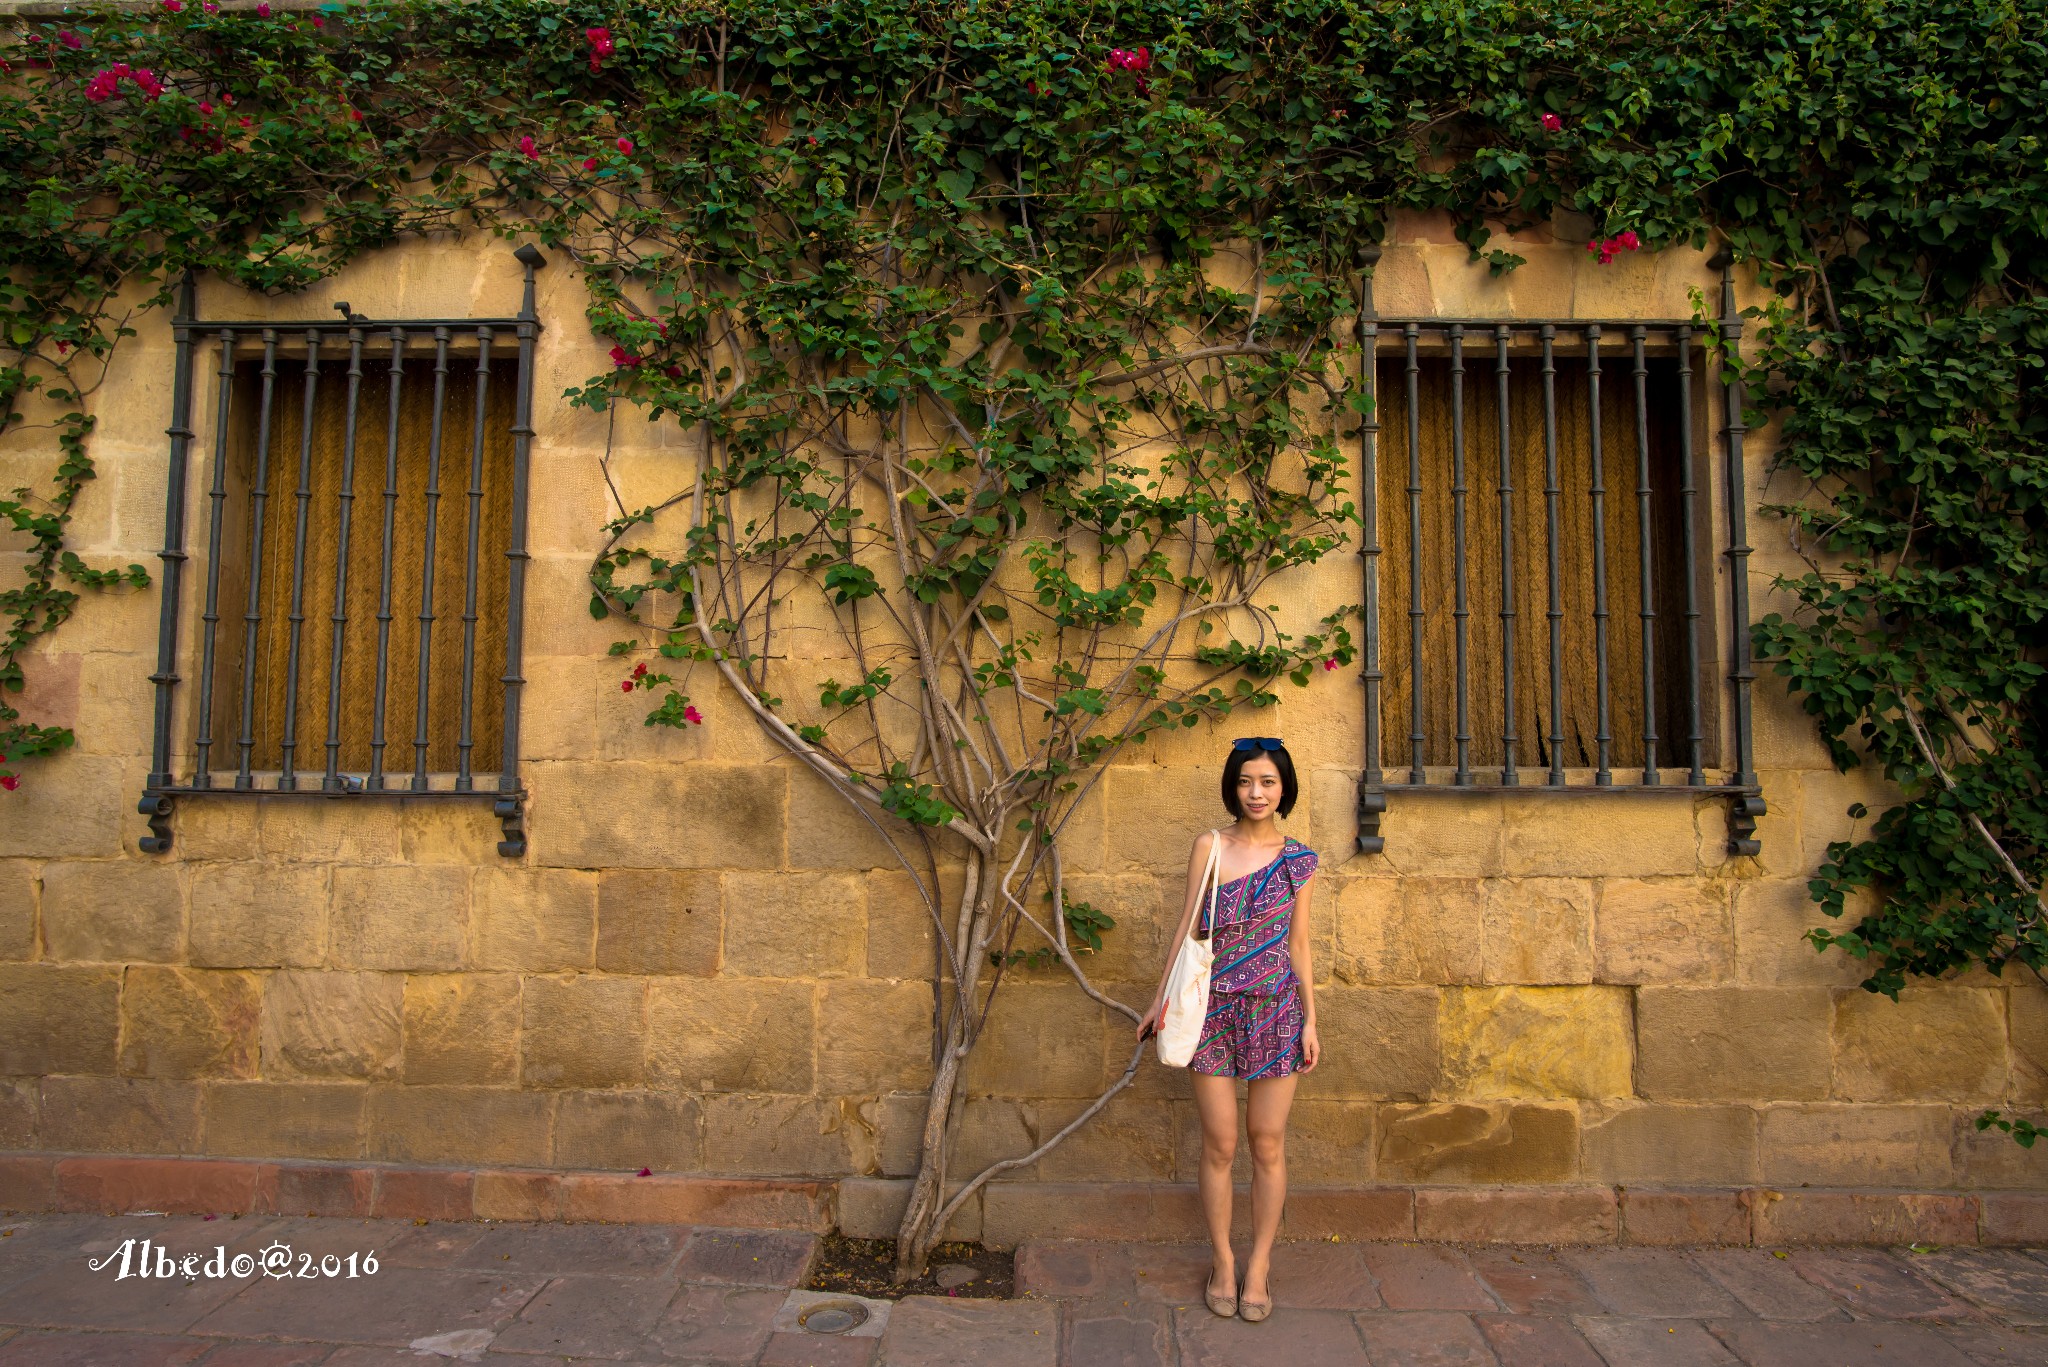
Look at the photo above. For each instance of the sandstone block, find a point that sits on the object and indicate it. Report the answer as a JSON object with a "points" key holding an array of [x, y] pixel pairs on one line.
{"points": [[1538, 930], [118, 1115], [401, 1195], [1633, 836], [399, 917], [774, 1136], [872, 1208], [1146, 911], [1378, 1043], [1771, 921], [789, 1203], [730, 1035], [316, 1189], [1043, 1040], [18, 1113], [1446, 835], [533, 919], [1400, 285], [659, 921], [2014, 1218], [1463, 1142], [1863, 1217], [113, 911], [76, 817], [1628, 1142], [1684, 1217], [17, 909], [512, 1195], [1733, 1044], [226, 830], [330, 832], [1538, 1042], [1410, 930], [889, 1133], [1934, 1043], [899, 932], [2027, 1010], [333, 1025], [1544, 284], [466, 1126], [630, 1130], [189, 1023], [1857, 1146], [1462, 287], [434, 831], [828, 832], [795, 925], [1669, 931], [990, 1130], [175, 1186], [705, 816], [285, 1119], [461, 1028], [583, 1032], [250, 915], [1160, 811], [1990, 1159], [58, 1019], [1585, 1215], [874, 1037], [1129, 1140]]}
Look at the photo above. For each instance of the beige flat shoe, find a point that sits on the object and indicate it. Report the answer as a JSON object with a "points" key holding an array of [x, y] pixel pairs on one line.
{"points": [[1251, 1312], [1225, 1306]]}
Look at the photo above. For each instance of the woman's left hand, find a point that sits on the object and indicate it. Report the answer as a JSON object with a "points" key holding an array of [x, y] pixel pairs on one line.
{"points": [[1311, 1047]]}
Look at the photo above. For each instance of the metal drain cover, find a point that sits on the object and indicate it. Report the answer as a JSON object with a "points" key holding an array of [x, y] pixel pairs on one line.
{"points": [[833, 1317]]}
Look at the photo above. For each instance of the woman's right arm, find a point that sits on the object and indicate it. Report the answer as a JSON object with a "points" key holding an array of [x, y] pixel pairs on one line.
{"points": [[1198, 865]]}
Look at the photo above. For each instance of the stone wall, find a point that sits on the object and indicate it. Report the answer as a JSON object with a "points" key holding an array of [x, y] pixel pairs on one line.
{"points": [[705, 964]]}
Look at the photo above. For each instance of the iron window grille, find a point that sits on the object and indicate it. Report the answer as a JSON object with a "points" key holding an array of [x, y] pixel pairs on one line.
{"points": [[1640, 545], [261, 701]]}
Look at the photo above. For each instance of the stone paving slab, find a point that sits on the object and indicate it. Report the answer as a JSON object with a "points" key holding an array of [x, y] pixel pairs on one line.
{"points": [[579, 1295]]}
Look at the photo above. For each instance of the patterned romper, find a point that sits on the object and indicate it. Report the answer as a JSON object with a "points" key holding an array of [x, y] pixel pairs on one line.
{"points": [[1255, 1019]]}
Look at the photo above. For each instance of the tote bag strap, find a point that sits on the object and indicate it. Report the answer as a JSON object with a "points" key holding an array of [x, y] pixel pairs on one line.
{"points": [[1210, 887]]}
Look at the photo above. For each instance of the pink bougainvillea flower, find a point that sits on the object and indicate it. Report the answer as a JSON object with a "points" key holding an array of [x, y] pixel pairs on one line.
{"points": [[1131, 59], [674, 372], [211, 8], [625, 685], [526, 145], [1329, 664], [645, 1172], [693, 716], [70, 39], [318, 22], [263, 10], [623, 357], [639, 669], [206, 106], [1031, 87], [1552, 123], [1629, 241], [355, 115], [62, 346], [590, 163], [625, 144], [9, 782], [600, 40], [245, 120], [174, 5]]}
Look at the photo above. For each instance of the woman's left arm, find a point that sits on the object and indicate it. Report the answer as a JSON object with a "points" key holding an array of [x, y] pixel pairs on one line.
{"points": [[1298, 938]]}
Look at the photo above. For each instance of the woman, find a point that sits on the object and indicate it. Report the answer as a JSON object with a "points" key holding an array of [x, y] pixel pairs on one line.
{"points": [[1261, 1024]]}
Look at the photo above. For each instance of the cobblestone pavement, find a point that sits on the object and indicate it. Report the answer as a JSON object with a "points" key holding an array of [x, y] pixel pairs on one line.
{"points": [[645, 1294]]}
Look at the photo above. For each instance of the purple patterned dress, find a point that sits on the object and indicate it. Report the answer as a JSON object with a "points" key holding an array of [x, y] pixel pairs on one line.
{"points": [[1255, 1019]]}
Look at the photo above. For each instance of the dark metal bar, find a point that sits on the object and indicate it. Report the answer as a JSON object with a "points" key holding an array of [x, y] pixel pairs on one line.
{"points": [[1647, 609], [375, 781], [463, 781], [1461, 611], [1693, 737], [287, 778], [201, 775], [419, 740], [173, 555], [1603, 737], [1551, 494], [336, 325], [1372, 804], [1742, 822], [507, 809], [252, 613], [1415, 732], [1508, 776], [333, 781]]}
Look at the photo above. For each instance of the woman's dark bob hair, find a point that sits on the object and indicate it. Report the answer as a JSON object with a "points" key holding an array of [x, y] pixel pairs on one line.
{"points": [[1289, 789]]}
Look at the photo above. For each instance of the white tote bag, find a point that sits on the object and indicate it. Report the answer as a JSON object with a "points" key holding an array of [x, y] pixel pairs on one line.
{"points": [[1187, 983]]}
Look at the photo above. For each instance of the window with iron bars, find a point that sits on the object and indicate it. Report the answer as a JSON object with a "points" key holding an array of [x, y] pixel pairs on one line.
{"points": [[1538, 580], [359, 628]]}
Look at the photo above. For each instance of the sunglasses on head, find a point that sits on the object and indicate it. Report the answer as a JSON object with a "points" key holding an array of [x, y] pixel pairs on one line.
{"points": [[1256, 743]]}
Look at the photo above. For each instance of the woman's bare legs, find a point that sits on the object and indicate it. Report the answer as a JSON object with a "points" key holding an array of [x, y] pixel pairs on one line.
{"points": [[1267, 1101], [1216, 1103]]}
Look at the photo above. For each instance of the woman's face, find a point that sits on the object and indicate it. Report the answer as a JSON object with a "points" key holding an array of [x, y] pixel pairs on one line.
{"points": [[1258, 788]]}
